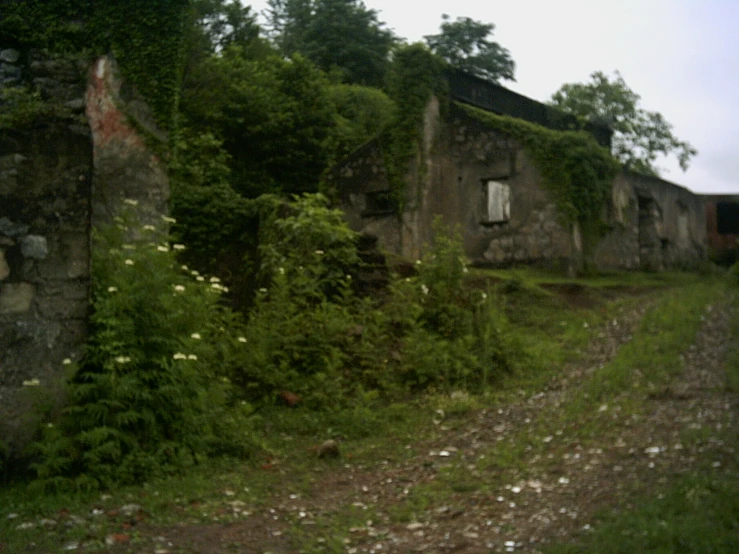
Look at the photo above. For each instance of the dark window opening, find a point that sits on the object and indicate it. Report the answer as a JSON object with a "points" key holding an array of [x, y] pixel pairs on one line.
{"points": [[727, 218], [379, 203]]}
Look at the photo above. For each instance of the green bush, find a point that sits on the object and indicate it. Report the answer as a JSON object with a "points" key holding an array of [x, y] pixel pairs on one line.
{"points": [[734, 273], [455, 336], [150, 395], [299, 326]]}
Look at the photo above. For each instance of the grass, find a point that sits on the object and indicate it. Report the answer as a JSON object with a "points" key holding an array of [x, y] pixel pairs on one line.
{"points": [[698, 514], [552, 331]]}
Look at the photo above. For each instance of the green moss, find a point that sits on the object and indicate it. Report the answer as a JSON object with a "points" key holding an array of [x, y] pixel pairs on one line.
{"points": [[145, 36], [414, 78], [577, 171]]}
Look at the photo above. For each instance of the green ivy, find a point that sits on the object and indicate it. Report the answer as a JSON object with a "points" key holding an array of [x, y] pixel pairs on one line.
{"points": [[145, 36], [415, 77], [577, 171]]}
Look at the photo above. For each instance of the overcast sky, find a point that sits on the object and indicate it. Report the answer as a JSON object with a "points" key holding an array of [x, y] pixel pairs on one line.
{"points": [[680, 56]]}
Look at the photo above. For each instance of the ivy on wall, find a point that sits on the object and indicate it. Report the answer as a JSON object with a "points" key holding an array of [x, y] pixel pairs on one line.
{"points": [[414, 78], [577, 171], [145, 36]]}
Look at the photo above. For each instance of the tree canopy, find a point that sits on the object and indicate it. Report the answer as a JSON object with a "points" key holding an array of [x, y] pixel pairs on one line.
{"points": [[465, 44], [640, 136], [336, 35]]}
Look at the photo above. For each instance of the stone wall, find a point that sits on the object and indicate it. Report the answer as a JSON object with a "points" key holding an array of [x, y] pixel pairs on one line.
{"points": [[45, 188], [62, 174], [462, 155], [655, 225], [652, 224]]}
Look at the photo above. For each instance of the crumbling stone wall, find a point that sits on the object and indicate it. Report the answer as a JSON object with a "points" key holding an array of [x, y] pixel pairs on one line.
{"points": [[461, 155], [45, 189], [60, 176]]}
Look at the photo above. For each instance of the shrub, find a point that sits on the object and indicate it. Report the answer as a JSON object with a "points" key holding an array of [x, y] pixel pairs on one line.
{"points": [[149, 396]]}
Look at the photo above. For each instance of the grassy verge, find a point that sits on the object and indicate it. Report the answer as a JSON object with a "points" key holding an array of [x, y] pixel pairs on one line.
{"points": [[698, 514], [553, 331]]}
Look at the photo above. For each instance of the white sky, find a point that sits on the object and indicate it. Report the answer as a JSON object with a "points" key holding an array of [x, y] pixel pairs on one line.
{"points": [[680, 56]]}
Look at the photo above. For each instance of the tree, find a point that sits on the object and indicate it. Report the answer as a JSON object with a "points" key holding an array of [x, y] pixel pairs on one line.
{"points": [[465, 45], [341, 35], [274, 117], [640, 136]]}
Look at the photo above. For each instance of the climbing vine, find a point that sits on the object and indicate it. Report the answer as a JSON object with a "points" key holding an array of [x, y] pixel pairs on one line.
{"points": [[577, 171], [145, 36], [414, 78]]}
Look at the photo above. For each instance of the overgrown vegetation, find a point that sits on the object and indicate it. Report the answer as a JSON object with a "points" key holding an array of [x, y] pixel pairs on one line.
{"points": [[170, 376], [415, 77], [577, 171], [150, 395], [147, 46]]}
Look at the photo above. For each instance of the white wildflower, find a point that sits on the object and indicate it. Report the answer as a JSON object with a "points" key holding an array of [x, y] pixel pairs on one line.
{"points": [[424, 289], [179, 356], [163, 248], [320, 252], [262, 290], [418, 262], [224, 289], [131, 202], [241, 339], [179, 288], [178, 246], [129, 247], [122, 359], [215, 280], [484, 296], [193, 272], [168, 219], [200, 278], [196, 336], [112, 289], [66, 361], [149, 228], [281, 270], [31, 383], [128, 262], [185, 268], [348, 277], [465, 270], [192, 357]]}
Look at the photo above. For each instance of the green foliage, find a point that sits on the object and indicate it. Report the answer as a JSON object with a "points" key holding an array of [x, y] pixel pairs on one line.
{"points": [[361, 113], [148, 397], [58, 25], [414, 77], [457, 336], [734, 273], [223, 23], [145, 36], [20, 107], [211, 216], [464, 44], [274, 117], [336, 35], [696, 516], [577, 171], [299, 324], [640, 135], [310, 335]]}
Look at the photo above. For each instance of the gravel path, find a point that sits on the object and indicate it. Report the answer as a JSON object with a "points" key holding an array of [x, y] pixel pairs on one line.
{"points": [[551, 494]]}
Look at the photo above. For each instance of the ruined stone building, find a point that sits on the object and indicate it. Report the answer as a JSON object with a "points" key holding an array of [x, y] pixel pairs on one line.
{"points": [[60, 175], [486, 183]]}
